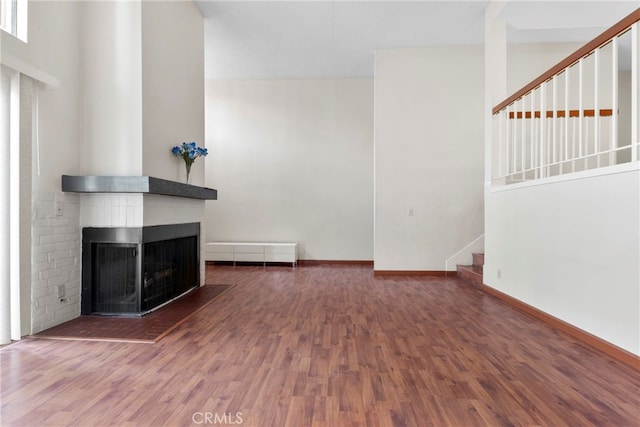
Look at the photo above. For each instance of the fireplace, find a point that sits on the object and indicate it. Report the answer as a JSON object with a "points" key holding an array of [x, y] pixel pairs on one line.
{"points": [[131, 271]]}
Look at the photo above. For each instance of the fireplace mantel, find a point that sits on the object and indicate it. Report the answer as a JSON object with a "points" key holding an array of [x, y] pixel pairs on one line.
{"points": [[135, 184]]}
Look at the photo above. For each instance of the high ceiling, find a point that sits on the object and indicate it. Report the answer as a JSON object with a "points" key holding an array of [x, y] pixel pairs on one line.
{"points": [[323, 39]]}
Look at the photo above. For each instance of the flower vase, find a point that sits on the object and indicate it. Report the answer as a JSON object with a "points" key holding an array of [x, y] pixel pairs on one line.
{"points": [[188, 152], [188, 177]]}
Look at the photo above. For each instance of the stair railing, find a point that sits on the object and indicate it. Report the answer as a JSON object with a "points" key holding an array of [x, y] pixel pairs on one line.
{"points": [[581, 114]]}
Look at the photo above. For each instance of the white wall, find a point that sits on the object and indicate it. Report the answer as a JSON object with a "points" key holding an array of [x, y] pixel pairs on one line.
{"points": [[292, 161], [571, 249], [525, 62], [428, 155], [172, 87]]}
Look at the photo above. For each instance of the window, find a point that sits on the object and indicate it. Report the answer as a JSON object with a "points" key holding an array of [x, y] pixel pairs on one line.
{"points": [[13, 17]]}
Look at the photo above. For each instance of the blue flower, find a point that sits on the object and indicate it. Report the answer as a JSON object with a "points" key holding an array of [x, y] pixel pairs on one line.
{"points": [[189, 151]]}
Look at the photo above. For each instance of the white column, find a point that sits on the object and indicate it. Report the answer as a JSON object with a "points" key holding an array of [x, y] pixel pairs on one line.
{"points": [[495, 78], [112, 111]]}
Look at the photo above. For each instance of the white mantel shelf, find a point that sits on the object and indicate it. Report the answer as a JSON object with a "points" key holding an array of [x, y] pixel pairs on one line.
{"points": [[135, 184]]}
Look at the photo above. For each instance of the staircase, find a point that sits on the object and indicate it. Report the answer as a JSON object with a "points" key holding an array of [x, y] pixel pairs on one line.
{"points": [[472, 274]]}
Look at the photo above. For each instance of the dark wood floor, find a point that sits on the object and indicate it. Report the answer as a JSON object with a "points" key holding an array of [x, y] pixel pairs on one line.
{"points": [[326, 346]]}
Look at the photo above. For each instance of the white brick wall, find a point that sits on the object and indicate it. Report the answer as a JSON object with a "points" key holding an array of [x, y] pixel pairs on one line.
{"points": [[56, 259]]}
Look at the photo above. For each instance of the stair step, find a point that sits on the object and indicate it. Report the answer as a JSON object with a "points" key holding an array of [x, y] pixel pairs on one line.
{"points": [[471, 274], [478, 259]]}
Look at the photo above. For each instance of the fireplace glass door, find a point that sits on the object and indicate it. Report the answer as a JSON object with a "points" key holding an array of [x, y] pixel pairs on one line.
{"points": [[115, 278], [170, 269]]}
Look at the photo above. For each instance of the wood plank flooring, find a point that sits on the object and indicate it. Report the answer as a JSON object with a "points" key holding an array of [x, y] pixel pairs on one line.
{"points": [[326, 346]]}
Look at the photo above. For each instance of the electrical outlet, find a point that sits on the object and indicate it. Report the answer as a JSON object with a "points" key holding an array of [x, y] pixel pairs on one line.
{"points": [[61, 292], [59, 209], [411, 212], [499, 273]]}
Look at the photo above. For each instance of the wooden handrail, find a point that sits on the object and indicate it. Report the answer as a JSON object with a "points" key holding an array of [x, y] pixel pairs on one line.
{"points": [[604, 112], [584, 51]]}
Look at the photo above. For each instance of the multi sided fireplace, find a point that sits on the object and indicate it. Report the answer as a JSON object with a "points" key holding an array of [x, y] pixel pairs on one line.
{"points": [[131, 271]]}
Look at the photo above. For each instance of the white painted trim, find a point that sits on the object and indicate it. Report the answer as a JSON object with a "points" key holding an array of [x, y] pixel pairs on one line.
{"points": [[14, 210], [609, 170], [23, 67]]}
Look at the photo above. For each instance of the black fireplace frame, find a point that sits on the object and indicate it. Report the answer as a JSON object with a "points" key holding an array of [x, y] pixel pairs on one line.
{"points": [[137, 236]]}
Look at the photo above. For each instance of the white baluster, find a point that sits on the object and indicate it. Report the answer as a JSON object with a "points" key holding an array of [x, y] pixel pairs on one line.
{"points": [[554, 118], [566, 115], [523, 138], [635, 75], [613, 144], [580, 107], [532, 131], [543, 128]]}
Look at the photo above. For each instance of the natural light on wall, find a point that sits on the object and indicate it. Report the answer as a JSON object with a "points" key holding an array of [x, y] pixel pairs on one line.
{"points": [[13, 18]]}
